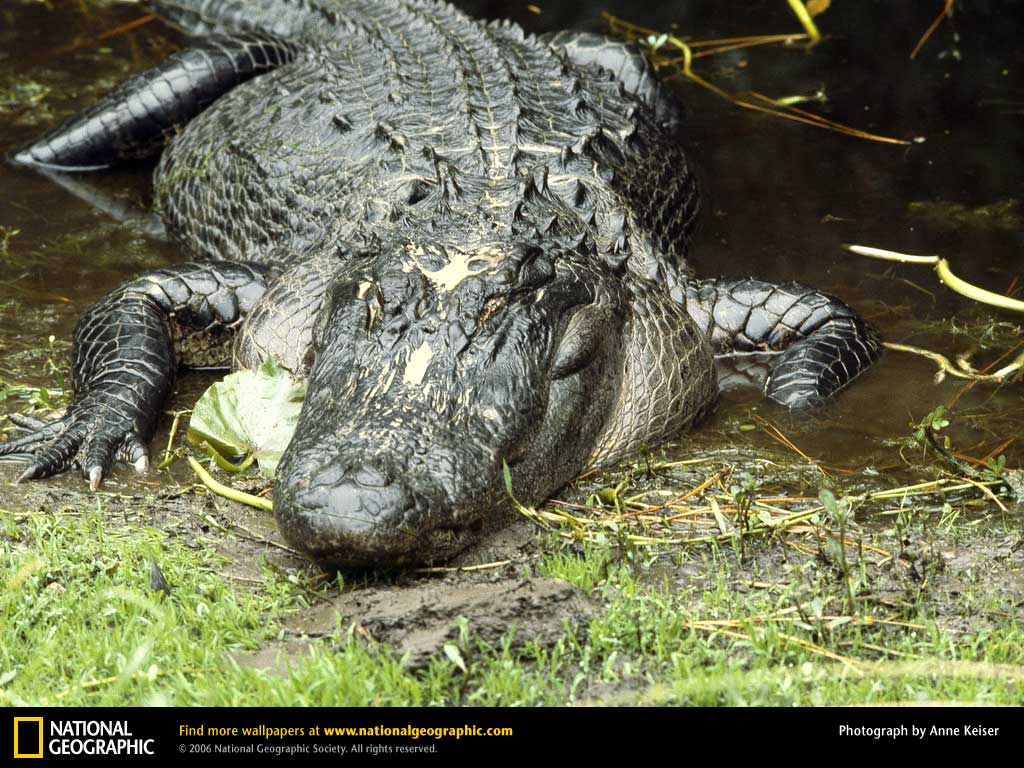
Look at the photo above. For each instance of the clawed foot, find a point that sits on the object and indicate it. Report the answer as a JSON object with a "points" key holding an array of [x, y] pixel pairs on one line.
{"points": [[813, 369], [90, 438]]}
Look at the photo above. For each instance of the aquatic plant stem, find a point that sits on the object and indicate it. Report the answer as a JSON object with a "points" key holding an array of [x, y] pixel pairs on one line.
{"points": [[226, 491], [945, 274], [808, 23]]}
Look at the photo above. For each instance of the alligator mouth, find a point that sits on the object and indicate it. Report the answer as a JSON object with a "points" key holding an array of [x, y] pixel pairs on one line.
{"points": [[449, 540], [366, 521], [377, 552]]}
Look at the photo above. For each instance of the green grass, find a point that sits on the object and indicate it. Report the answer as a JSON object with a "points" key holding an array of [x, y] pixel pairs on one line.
{"points": [[81, 625]]}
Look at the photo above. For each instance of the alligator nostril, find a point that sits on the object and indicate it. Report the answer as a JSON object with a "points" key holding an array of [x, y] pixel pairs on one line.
{"points": [[356, 499], [370, 476], [354, 517]]}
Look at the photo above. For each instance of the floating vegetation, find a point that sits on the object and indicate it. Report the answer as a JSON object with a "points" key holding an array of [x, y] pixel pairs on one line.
{"points": [[669, 52], [806, 13], [40, 399], [985, 332], [944, 214], [21, 96], [6, 233], [962, 368], [24, 101], [945, 274]]}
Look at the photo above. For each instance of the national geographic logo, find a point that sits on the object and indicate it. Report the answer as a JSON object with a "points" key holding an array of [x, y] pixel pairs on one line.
{"points": [[32, 738], [28, 737]]}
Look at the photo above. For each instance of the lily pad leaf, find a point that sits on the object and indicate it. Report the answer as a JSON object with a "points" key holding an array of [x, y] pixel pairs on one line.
{"points": [[250, 412]]}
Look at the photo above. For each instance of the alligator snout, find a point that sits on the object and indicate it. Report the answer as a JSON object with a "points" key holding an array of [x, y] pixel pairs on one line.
{"points": [[362, 514]]}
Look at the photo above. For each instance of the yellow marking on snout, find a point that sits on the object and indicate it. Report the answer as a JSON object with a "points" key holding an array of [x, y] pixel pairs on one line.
{"points": [[416, 368], [461, 264]]}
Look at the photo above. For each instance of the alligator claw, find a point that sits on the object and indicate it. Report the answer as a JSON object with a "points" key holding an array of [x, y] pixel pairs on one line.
{"points": [[134, 452], [34, 471], [22, 421], [39, 431], [82, 437]]}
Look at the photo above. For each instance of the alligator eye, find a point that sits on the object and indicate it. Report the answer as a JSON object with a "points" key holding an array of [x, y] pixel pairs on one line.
{"points": [[374, 301], [584, 337], [494, 305]]}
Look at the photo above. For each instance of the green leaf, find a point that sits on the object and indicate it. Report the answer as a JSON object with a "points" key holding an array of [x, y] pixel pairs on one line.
{"points": [[507, 474], [250, 412], [723, 524], [455, 656], [829, 501]]}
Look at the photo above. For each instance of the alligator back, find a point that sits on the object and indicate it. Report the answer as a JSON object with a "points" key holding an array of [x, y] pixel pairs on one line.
{"points": [[409, 117]]}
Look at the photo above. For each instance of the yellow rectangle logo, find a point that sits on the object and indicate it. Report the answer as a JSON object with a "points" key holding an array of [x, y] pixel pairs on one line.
{"points": [[17, 728]]}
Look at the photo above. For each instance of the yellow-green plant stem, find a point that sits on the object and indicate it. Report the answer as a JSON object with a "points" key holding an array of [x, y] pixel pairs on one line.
{"points": [[945, 274], [226, 491], [226, 464], [961, 370], [974, 292], [688, 68], [168, 451], [808, 23]]}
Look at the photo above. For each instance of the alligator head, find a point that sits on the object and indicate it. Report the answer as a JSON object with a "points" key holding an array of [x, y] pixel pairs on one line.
{"points": [[434, 368]]}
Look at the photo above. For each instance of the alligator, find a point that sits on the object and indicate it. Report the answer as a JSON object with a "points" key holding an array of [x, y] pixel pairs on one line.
{"points": [[471, 240]]}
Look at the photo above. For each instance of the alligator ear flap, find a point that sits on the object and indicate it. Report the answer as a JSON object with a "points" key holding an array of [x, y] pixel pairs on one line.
{"points": [[584, 336]]}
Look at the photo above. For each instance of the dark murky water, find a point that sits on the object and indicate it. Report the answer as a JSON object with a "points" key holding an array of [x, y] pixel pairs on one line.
{"points": [[781, 197]]}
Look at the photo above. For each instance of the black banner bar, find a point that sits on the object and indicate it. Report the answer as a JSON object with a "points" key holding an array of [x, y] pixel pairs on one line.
{"points": [[206, 734]]}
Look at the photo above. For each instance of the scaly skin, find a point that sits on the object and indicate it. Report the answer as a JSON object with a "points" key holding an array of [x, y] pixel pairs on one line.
{"points": [[472, 241]]}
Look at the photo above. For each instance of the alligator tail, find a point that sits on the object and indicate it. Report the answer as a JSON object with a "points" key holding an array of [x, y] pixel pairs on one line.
{"points": [[136, 118]]}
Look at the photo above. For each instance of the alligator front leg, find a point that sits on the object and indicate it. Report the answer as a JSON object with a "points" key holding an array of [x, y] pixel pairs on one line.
{"points": [[626, 62], [135, 119], [820, 344], [127, 350]]}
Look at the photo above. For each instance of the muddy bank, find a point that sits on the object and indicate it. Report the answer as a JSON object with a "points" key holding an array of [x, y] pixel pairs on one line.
{"points": [[966, 576], [487, 593]]}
